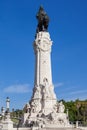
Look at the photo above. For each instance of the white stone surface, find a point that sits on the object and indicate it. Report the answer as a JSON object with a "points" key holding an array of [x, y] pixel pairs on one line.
{"points": [[6, 122], [42, 47], [43, 107], [8, 125]]}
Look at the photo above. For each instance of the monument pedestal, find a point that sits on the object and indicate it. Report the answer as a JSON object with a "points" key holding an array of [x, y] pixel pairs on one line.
{"points": [[7, 123]]}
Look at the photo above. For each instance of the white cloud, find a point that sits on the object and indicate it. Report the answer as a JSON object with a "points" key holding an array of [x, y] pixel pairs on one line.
{"points": [[78, 92], [72, 93], [19, 88], [58, 85]]}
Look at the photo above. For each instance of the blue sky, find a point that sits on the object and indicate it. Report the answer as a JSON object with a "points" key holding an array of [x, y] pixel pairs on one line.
{"points": [[68, 31]]}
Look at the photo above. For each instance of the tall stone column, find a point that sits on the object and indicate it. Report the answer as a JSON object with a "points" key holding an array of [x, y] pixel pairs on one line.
{"points": [[43, 94], [42, 47]]}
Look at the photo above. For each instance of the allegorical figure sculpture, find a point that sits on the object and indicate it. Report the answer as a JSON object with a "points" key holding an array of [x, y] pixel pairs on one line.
{"points": [[61, 107], [43, 20]]}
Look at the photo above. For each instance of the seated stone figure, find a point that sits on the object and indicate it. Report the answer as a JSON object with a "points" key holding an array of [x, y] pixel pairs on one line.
{"points": [[27, 108], [61, 107]]}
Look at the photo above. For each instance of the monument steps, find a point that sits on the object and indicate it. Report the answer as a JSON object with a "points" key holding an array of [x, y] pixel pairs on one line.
{"points": [[60, 129]]}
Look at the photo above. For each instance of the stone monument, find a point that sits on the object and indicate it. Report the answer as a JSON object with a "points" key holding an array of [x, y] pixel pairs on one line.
{"points": [[43, 108], [7, 124]]}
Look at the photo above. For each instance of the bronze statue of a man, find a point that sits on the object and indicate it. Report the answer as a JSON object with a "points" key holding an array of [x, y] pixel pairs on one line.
{"points": [[43, 20]]}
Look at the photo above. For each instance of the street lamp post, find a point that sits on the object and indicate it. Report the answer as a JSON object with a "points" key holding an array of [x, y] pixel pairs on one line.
{"points": [[7, 104], [7, 123], [8, 108]]}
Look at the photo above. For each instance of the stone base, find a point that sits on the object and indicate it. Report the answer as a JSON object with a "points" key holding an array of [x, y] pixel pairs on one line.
{"points": [[52, 120], [54, 128], [7, 125]]}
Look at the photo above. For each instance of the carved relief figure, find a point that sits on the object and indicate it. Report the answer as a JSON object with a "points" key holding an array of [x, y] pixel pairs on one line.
{"points": [[28, 107], [46, 88], [61, 107]]}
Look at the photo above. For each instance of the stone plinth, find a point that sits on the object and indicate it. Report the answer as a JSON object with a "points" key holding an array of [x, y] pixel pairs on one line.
{"points": [[7, 123]]}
